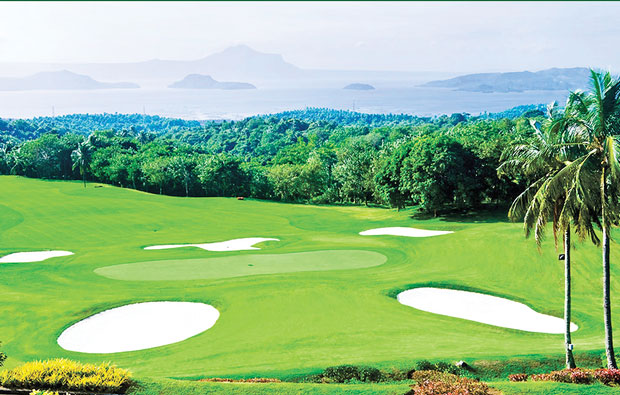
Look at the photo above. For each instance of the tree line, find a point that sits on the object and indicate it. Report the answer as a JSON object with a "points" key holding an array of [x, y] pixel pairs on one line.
{"points": [[438, 164]]}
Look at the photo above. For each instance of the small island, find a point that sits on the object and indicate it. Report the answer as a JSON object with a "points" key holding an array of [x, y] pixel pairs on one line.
{"points": [[60, 80], [360, 87], [200, 81]]}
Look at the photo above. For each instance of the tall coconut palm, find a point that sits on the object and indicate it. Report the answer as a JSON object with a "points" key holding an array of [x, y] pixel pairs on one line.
{"points": [[595, 116], [549, 197], [81, 159]]}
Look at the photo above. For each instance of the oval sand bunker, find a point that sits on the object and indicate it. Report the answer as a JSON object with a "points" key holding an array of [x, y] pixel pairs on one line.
{"points": [[402, 231], [138, 326], [228, 245], [33, 256], [483, 308]]}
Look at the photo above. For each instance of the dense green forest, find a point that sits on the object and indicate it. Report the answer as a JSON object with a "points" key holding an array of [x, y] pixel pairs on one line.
{"points": [[313, 155]]}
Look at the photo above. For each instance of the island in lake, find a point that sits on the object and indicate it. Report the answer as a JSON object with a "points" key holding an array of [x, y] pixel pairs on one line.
{"points": [[199, 81], [360, 87], [59, 80], [550, 79]]}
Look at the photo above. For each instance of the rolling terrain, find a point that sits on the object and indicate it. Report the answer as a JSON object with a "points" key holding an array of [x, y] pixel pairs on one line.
{"points": [[282, 323]]}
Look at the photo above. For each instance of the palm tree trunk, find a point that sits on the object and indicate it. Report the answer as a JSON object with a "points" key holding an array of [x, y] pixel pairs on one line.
{"points": [[609, 341], [570, 360]]}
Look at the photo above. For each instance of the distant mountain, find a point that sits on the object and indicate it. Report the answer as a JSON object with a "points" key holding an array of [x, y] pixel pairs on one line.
{"points": [[199, 81], [360, 87], [550, 79], [238, 63], [59, 80]]}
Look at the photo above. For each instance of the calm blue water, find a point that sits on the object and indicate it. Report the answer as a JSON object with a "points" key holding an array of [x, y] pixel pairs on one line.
{"points": [[218, 104]]}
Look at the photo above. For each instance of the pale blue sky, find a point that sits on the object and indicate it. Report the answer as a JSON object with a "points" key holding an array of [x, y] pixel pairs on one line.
{"points": [[413, 36]]}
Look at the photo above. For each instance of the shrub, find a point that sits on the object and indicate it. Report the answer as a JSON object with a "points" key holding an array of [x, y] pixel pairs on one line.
{"points": [[394, 375], [518, 377], [575, 376], [254, 380], [449, 384], [63, 374], [447, 367], [579, 376], [433, 375], [345, 373], [439, 366], [37, 392], [2, 357], [425, 365], [608, 376]]}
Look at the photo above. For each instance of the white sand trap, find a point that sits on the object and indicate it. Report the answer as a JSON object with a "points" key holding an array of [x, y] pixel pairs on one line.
{"points": [[229, 245], [482, 308], [34, 256], [402, 231], [138, 326]]}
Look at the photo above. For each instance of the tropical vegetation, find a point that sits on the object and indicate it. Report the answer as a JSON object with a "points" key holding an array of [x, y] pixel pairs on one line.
{"points": [[315, 155], [576, 166]]}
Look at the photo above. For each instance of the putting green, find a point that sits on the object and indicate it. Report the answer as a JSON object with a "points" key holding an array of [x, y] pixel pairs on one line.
{"points": [[242, 265]]}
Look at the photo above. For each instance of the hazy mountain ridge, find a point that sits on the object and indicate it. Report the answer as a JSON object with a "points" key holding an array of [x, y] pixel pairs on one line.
{"points": [[199, 81], [550, 79], [64, 80], [238, 63]]}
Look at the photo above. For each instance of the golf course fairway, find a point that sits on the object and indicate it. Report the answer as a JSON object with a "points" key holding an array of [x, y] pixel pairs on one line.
{"points": [[321, 296]]}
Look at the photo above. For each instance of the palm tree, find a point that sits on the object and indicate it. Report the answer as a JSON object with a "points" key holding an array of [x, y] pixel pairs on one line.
{"points": [[596, 117], [543, 158], [81, 159]]}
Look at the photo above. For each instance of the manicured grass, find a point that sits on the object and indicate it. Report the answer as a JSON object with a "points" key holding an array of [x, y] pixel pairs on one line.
{"points": [[282, 324], [177, 387], [545, 388], [238, 266], [164, 386]]}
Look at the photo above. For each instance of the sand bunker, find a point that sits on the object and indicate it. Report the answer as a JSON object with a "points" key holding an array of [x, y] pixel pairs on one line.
{"points": [[229, 245], [483, 308], [34, 256], [138, 326], [402, 231], [242, 265]]}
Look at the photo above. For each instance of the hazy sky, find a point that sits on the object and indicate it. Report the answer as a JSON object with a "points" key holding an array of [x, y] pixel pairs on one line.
{"points": [[414, 36]]}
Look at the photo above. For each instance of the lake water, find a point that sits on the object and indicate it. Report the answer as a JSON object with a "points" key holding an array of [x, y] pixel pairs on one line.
{"points": [[237, 104]]}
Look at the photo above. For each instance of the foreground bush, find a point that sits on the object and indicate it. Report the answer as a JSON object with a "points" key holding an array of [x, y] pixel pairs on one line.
{"points": [[431, 382], [608, 376], [37, 392], [433, 375], [64, 374], [579, 376], [254, 380], [2, 357], [346, 373], [518, 377], [441, 366]]}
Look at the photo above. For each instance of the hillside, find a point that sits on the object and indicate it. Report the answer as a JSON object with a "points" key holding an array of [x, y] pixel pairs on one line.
{"points": [[199, 81], [550, 79], [62, 80], [360, 87]]}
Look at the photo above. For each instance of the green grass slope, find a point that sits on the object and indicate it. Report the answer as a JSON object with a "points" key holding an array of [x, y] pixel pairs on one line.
{"points": [[273, 325]]}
